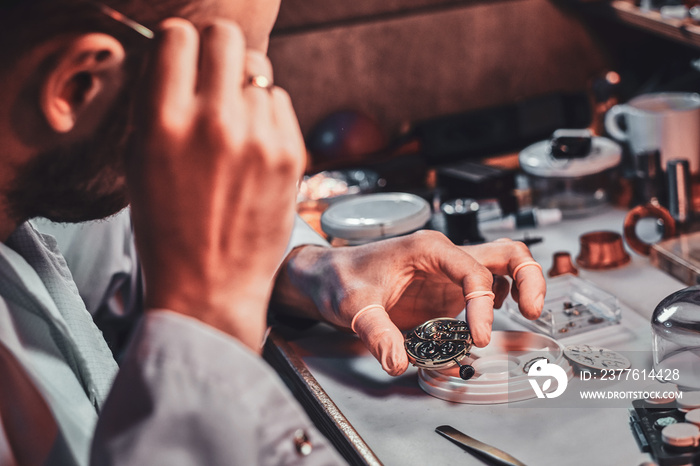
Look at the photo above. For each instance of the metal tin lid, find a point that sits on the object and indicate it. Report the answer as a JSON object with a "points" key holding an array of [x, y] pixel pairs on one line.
{"points": [[665, 389], [537, 160], [375, 216], [693, 417], [681, 434], [689, 401]]}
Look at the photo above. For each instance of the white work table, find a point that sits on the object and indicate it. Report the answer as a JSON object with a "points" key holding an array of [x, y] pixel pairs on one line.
{"points": [[395, 419]]}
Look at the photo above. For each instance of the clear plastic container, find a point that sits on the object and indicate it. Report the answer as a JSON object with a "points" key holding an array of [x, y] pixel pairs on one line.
{"points": [[578, 186], [572, 305], [675, 327]]}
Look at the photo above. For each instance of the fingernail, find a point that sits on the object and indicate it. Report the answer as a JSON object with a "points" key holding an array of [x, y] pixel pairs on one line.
{"points": [[539, 302], [389, 368], [393, 364], [535, 311], [482, 337]]}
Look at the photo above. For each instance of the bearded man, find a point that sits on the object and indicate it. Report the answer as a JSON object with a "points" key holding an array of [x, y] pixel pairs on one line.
{"points": [[170, 106]]}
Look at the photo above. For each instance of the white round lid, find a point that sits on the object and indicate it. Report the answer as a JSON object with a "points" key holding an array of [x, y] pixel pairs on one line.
{"points": [[375, 216], [537, 160]]}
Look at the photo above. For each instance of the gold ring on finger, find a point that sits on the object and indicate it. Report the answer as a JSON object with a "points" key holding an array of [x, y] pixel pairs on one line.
{"points": [[261, 81]]}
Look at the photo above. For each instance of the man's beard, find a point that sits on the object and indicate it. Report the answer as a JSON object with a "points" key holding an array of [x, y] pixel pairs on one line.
{"points": [[78, 182]]}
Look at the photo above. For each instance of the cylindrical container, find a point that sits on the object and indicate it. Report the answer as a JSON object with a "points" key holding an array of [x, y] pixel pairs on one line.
{"points": [[649, 181], [363, 219], [602, 250], [681, 436], [679, 196], [675, 327], [693, 417], [688, 402], [461, 221], [561, 264], [577, 186]]}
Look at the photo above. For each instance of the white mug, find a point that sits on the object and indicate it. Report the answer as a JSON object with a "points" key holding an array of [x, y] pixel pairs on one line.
{"points": [[667, 121]]}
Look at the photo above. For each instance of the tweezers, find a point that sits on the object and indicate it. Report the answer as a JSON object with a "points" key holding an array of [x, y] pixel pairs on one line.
{"points": [[491, 454]]}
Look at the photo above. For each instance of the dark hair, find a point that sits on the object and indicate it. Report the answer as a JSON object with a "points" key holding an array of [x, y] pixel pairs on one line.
{"points": [[72, 182], [25, 23]]}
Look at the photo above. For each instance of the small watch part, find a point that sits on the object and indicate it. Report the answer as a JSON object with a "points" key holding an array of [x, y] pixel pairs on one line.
{"points": [[664, 421], [594, 358], [302, 444], [575, 310], [528, 365], [439, 344]]}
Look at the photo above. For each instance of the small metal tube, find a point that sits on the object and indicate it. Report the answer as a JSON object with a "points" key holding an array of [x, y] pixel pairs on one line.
{"points": [[679, 195]]}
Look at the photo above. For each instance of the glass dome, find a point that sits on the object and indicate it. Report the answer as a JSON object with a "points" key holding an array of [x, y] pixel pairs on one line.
{"points": [[675, 327]]}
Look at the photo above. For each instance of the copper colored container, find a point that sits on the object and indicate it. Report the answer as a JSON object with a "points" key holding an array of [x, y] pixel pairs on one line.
{"points": [[650, 210], [602, 250], [561, 264]]}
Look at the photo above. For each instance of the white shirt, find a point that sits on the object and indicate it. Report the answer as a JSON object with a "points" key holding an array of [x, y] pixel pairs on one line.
{"points": [[186, 393]]}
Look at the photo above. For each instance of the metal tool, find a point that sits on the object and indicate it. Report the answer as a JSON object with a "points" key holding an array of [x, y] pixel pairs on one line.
{"points": [[492, 454]]}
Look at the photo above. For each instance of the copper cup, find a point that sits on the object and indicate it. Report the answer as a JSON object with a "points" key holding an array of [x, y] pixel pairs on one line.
{"points": [[562, 264], [602, 250]]}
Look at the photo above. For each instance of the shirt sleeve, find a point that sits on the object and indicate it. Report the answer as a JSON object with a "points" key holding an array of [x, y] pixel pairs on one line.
{"points": [[188, 394]]}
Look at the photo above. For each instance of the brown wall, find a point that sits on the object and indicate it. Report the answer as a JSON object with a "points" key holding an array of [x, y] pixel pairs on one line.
{"points": [[406, 60]]}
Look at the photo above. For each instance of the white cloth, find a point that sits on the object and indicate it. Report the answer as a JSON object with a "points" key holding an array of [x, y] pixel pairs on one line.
{"points": [[46, 330], [29, 260], [102, 256], [187, 394]]}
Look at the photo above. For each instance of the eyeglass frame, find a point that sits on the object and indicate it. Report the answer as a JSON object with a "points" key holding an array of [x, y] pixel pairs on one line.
{"points": [[125, 20]]}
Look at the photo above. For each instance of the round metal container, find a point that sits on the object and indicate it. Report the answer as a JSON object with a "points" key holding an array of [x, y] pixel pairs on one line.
{"points": [[363, 219]]}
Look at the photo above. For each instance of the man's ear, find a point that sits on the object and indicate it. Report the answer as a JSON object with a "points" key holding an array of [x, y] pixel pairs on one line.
{"points": [[83, 78]]}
